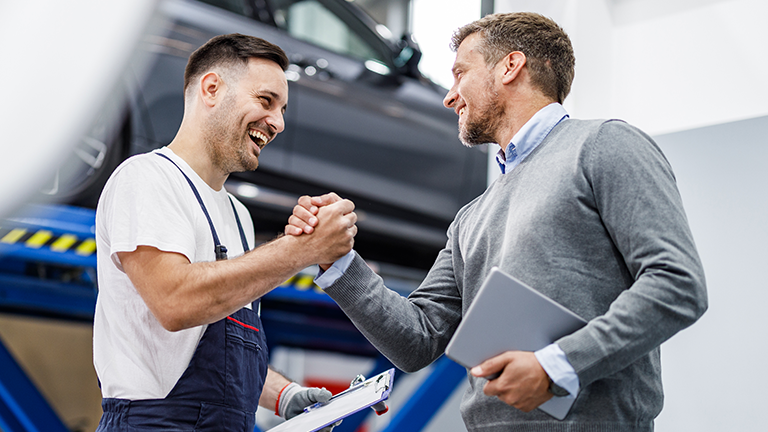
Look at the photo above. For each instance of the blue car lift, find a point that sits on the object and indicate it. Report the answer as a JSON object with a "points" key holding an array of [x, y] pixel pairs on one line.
{"points": [[48, 268]]}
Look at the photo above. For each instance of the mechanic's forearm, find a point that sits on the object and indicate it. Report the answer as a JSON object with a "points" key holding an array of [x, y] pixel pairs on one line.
{"points": [[274, 383], [193, 294]]}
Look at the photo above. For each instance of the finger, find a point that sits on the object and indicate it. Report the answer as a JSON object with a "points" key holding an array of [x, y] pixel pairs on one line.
{"points": [[319, 395], [306, 217], [299, 225], [491, 366], [343, 206], [292, 230], [326, 199], [306, 202], [350, 219]]}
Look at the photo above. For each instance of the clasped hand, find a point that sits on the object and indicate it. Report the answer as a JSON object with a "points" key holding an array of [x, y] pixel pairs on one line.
{"points": [[329, 217]]}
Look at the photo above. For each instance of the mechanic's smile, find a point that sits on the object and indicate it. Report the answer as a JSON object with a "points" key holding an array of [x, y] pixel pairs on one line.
{"points": [[259, 138]]}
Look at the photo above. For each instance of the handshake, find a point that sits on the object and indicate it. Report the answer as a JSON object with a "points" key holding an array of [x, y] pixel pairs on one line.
{"points": [[326, 226]]}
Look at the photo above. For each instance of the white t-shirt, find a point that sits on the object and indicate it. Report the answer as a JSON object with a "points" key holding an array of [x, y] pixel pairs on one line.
{"points": [[148, 202]]}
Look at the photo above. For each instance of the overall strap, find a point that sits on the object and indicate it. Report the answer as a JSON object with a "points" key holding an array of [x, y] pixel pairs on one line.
{"points": [[255, 305], [219, 249], [240, 227]]}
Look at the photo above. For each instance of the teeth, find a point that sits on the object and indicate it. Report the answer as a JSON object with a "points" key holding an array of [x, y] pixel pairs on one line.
{"points": [[258, 135], [461, 111]]}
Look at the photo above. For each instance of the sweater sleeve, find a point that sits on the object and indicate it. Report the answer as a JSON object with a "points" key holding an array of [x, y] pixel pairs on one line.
{"points": [[411, 332], [637, 199]]}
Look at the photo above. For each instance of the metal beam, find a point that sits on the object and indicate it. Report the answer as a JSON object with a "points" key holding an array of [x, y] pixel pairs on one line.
{"points": [[22, 407], [428, 398]]}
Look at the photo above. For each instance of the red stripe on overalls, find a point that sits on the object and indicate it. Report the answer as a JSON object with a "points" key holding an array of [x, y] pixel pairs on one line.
{"points": [[243, 324]]}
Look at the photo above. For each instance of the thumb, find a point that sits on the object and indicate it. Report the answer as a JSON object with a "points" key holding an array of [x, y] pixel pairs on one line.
{"points": [[488, 369], [318, 395], [326, 199]]}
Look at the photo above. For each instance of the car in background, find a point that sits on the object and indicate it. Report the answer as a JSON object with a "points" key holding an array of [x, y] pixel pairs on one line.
{"points": [[361, 121]]}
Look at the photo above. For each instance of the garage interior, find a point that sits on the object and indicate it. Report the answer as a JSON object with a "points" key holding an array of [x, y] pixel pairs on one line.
{"points": [[656, 64]]}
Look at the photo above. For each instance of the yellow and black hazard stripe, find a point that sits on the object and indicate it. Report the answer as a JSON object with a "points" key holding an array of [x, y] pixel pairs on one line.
{"points": [[302, 282], [39, 239]]}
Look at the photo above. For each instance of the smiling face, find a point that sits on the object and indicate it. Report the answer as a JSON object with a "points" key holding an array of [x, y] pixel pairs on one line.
{"points": [[474, 97], [248, 117]]}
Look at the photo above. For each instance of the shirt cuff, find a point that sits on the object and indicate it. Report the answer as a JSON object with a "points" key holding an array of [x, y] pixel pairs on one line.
{"points": [[559, 369], [326, 278]]}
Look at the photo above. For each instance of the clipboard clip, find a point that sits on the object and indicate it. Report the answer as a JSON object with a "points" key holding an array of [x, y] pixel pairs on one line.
{"points": [[379, 407]]}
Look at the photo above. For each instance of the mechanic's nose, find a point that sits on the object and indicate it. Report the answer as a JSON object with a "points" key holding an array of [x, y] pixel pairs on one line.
{"points": [[276, 122]]}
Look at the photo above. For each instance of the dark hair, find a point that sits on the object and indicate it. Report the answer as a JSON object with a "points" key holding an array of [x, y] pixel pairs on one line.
{"points": [[547, 48], [231, 50]]}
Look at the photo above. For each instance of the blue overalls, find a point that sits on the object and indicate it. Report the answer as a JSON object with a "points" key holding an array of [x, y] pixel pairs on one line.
{"points": [[220, 389]]}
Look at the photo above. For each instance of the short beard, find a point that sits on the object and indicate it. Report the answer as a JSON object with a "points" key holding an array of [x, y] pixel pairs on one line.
{"points": [[224, 141], [483, 128]]}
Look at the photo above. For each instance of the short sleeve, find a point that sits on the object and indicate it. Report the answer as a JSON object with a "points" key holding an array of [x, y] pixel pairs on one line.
{"points": [[145, 204]]}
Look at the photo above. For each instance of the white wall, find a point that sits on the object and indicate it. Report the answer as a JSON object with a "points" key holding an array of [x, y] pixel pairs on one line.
{"points": [[664, 65], [433, 22], [714, 372], [694, 67]]}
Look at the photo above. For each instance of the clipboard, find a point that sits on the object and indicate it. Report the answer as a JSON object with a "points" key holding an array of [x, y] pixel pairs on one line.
{"points": [[341, 405], [505, 315]]}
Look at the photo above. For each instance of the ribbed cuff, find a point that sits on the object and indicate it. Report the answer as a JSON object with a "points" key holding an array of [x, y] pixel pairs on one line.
{"points": [[285, 395], [355, 285]]}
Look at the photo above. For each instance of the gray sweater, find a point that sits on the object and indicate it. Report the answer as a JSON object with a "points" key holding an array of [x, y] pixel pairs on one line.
{"points": [[591, 218]]}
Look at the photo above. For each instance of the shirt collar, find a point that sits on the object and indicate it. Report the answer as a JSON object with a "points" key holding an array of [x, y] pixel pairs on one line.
{"points": [[530, 136]]}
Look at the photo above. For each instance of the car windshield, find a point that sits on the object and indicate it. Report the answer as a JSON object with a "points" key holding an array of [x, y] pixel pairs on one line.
{"points": [[321, 23]]}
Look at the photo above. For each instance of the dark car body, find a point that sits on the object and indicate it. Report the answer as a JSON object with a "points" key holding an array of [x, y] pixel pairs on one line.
{"points": [[361, 121]]}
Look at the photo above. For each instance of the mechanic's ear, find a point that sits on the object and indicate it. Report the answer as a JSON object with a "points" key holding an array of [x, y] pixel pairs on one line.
{"points": [[211, 85]]}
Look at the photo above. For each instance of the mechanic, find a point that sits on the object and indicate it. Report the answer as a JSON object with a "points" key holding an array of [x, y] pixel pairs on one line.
{"points": [[178, 342], [586, 212]]}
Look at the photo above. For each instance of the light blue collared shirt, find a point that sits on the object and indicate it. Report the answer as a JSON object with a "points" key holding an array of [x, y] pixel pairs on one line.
{"points": [[530, 136], [552, 359]]}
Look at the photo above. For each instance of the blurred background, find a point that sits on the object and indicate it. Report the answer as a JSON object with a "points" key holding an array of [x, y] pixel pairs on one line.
{"points": [[91, 83]]}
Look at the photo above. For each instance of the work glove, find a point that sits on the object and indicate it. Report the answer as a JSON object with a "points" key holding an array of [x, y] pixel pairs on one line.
{"points": [[294, 398]]}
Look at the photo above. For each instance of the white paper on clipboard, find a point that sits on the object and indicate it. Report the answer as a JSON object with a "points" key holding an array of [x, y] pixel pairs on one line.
{"points": [[341, 405]]}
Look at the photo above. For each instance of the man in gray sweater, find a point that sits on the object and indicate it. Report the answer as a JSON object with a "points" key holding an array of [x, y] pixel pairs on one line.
{"points": [[586, 212]]}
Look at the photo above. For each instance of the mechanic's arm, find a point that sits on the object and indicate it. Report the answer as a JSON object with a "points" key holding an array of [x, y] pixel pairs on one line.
{"points": [[273, 385], [182, 294]]}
